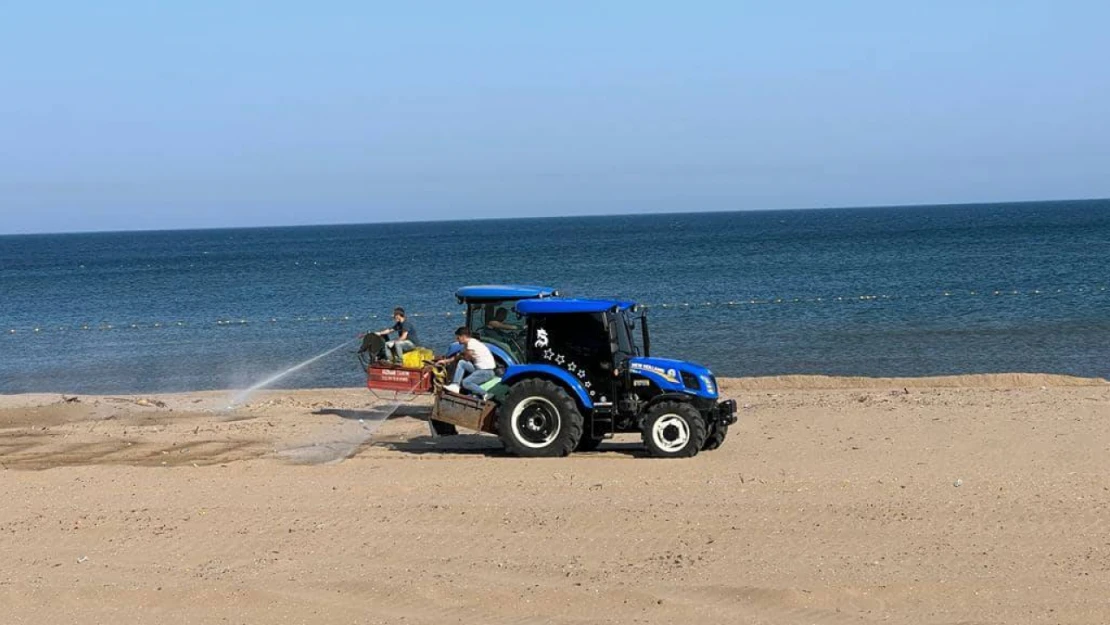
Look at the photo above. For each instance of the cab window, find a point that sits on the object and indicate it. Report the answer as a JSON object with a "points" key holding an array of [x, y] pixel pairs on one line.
{"points": [[476, 317], [496, 323]]}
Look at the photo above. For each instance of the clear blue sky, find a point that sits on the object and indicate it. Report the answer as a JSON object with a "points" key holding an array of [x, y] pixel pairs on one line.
{"points": [[122, 115]]}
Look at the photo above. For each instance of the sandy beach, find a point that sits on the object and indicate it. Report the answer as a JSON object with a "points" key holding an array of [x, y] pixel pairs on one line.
{"points": [[972, 499]]}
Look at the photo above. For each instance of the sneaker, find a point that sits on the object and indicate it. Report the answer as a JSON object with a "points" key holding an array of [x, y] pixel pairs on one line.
{"points": [[486, 397], [454, 388]]}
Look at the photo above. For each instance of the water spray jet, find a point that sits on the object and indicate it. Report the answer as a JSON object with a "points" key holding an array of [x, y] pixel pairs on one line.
{"points": [[242, 396]]}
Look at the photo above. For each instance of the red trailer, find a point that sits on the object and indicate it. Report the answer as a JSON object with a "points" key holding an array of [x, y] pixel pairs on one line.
{"points": [[383, 377], [392, 378]]}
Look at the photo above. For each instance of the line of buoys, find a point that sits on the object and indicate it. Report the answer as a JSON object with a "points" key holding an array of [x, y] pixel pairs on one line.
{"points": [[345, 318]]}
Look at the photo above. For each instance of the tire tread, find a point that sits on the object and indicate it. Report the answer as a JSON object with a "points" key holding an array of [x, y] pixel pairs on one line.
{"points": [[716, 437], [571, 419]]}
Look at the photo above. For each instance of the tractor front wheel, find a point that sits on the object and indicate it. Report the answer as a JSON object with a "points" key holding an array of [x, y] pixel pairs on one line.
{"points": [[673, 430], [539, 419]]}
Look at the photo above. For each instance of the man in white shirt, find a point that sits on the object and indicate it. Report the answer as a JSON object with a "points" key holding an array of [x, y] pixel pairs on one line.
{"points": [[475, 366]]}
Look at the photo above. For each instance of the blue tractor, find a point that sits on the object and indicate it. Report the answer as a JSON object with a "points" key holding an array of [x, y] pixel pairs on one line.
{"points": [[575, 374]]}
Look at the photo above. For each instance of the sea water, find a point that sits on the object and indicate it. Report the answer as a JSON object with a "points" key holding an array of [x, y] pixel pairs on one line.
{"points": [[878, 292]]}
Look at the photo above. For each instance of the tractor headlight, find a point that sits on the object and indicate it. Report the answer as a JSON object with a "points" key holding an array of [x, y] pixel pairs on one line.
{"points": [[710, 384]]}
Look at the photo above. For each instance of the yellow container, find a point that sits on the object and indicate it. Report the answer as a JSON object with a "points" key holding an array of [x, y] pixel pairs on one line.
{"points": [[415, 359]]}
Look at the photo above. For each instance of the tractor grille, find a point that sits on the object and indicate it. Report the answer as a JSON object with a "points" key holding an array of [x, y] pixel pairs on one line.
{"points": [[690, 381]]}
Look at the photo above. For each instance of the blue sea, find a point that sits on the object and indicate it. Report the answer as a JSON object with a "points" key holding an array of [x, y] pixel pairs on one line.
{"points": [[910, 291]]}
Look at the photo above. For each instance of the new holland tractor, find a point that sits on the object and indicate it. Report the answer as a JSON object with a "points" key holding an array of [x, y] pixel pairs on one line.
{"points": [[576, 372]]}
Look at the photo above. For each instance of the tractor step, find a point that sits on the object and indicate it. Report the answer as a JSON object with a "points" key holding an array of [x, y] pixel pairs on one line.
{"points": [[601, 425]]}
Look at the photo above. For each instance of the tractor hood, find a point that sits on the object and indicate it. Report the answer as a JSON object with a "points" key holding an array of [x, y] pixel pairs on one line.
{"points": [[676, 375]]}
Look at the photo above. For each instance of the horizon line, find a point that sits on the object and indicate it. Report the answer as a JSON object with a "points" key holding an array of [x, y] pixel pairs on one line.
{"points": [[536, 217]]}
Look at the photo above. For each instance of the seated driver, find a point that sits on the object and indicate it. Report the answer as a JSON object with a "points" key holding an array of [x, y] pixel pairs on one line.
{"points": [[475, 365], [498, 322]]}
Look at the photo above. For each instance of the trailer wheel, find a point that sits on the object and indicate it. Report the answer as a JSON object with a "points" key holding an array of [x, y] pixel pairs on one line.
{"points": [[717, 434], [673, 430], [539, 419]]}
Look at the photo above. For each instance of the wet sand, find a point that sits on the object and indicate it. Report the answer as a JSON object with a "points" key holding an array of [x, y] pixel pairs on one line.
{"points": [[976, 499]]}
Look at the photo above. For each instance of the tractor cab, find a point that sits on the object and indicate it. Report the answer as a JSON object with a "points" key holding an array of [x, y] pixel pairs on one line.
{"points": [[492, 318], [605, 346], [584, 342]]}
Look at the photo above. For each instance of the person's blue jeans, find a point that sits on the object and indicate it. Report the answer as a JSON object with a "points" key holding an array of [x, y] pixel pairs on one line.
{"points": [[399, 347], [471, 378]]}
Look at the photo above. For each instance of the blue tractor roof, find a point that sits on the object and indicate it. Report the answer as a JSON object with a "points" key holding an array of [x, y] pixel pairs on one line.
{"points": [[565, 306], [501, 292]]}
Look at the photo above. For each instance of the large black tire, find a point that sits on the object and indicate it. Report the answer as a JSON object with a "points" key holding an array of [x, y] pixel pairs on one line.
{"points": [[673, 430], [716, 437], [442, 428], [539, 419]]}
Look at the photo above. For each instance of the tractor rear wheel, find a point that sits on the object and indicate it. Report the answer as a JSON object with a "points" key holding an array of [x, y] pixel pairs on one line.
{"points": [[673, 430], [539, 419]]}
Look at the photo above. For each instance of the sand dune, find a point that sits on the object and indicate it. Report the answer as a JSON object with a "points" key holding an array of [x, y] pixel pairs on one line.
{"points": [[970, 499]]}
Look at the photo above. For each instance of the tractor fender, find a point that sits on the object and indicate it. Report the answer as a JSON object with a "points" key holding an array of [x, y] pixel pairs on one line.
{"points": [[497, 352], [705, 406], [658, 399], [518, 372], [661, 397], [500, 354]]}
